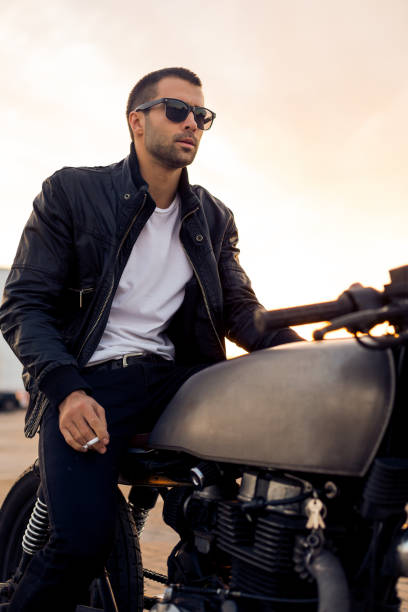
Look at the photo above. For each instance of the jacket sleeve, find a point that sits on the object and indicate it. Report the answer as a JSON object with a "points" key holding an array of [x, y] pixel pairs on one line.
{"points": [[240, 302], [28, 313]]}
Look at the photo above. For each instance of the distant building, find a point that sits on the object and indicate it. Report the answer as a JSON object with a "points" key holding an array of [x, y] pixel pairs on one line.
{"points": [[10, 367]]}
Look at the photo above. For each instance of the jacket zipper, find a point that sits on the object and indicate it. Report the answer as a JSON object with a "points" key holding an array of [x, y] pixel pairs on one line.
{"points": [[113, 278], [33, 425], [81, 292], [202, 288]]}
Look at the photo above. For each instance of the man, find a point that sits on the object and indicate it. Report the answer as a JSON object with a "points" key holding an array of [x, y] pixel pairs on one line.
{"points": [[125, 283]]}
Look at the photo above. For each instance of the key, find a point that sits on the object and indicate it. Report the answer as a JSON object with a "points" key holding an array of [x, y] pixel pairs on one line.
{"points": [[314, 509]]}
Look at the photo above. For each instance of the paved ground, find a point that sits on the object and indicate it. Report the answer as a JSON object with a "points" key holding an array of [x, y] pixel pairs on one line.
{"points": [[17, 453]]}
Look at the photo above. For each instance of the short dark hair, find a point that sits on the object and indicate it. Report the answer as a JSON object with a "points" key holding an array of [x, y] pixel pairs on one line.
{"points": [[145, 89]]}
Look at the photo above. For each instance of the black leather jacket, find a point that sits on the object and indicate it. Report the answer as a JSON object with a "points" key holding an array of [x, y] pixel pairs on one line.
{"points": [[69, 261]]}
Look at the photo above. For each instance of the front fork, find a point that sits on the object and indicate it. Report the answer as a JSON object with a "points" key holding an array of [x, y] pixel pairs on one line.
{"points": [[35, 536]]}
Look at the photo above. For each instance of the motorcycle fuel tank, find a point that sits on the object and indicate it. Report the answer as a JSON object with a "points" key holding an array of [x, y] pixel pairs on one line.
{"points": [[319, 407]]}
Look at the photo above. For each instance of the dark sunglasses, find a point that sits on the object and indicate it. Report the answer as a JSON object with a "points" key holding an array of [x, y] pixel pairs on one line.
{"points": [[178, 111]]}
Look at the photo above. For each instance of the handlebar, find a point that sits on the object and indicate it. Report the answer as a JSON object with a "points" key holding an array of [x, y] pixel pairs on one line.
{"points": [[358, 309], [300, 315]]}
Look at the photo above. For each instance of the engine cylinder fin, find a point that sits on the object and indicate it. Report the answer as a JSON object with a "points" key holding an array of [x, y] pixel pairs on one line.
{"points": [[233, 525], [261, 549], [253, 580]]}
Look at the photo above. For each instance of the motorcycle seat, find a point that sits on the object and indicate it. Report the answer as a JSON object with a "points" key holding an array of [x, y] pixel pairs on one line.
{"points": [[139, 440]]}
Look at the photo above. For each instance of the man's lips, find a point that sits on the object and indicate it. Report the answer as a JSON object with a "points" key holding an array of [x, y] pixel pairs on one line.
{"points": [[187, 141]]}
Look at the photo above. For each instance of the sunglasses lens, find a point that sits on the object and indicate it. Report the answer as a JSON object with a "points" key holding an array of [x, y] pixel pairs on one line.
{"points": [[203, 117], [176, 110]]}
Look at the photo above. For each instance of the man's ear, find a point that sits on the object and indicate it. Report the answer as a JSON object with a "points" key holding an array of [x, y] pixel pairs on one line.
{"points": [[136, 122]]}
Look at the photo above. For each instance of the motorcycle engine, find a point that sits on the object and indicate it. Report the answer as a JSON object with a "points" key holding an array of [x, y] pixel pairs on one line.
{"points": [[242, 543], [261, 538]]}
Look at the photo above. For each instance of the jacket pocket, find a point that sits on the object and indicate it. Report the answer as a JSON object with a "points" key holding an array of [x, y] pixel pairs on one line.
{"points": [[76, 308]]}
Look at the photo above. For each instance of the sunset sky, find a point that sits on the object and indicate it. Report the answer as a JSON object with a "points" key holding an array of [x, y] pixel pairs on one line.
{"points": [[309, 147]]}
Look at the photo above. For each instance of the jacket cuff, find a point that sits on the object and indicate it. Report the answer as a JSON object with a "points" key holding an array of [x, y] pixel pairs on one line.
{"points": [[286, 335], [60, 382]]}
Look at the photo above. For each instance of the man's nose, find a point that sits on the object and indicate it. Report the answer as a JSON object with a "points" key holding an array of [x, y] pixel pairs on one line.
{"points": [[190, 122]]}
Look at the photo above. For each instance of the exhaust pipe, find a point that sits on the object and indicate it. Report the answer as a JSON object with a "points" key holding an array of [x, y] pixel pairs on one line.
{"points": [[167, 607], [334, 595]]}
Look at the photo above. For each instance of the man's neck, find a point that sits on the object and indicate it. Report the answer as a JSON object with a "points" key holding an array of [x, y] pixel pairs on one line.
{"points": [[163, 182]]}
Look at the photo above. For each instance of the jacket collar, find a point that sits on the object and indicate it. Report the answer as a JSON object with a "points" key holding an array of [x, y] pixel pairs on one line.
{"points": [[134, 169], [189, 200]]}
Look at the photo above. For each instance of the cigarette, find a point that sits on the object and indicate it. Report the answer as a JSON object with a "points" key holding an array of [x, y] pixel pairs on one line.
{"points": [[91, 442]]}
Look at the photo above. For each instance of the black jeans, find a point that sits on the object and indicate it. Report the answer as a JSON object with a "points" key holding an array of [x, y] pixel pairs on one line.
{"points": [[80, 488]]}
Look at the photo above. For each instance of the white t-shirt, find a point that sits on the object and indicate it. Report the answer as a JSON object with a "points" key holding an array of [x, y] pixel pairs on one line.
{"points": [[150, 290]]}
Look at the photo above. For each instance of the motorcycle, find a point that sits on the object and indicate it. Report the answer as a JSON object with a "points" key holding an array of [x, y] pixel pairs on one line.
{"points": [[284, 472]]}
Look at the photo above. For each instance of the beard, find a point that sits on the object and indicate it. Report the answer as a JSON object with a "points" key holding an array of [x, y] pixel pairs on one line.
{"points": [[167, 151]]}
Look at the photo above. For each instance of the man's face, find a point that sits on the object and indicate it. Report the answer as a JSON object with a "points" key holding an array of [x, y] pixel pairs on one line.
{"points": [[174, 145]]}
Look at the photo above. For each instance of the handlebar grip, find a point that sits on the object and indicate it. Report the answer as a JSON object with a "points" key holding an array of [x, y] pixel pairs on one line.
{"points": [[300, 315]]}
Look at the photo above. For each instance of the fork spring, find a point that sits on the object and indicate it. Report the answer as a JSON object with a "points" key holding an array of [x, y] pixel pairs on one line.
{"points": [[37, 530]]}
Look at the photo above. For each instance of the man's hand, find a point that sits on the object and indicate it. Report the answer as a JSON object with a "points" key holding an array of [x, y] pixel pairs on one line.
{"points": [[81, 419]]}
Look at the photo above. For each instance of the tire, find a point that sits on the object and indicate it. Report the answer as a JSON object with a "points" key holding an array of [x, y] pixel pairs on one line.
{"points": [[124, 566], [14, 516]]}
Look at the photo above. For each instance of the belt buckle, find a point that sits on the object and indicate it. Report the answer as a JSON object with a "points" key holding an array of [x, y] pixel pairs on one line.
{"points": [[125, 358]]}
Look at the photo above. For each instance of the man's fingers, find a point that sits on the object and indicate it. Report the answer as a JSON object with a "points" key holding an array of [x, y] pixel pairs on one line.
{"points": [[100, 447], [69, 439], [81, 420], [91, 428], [96, 420], [80, 426], [78, 441], [82, 435], [102, 431]]}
